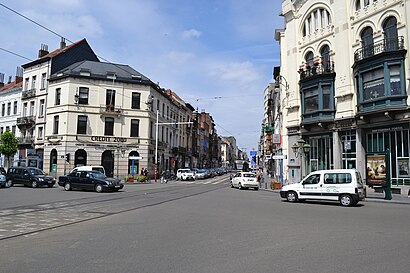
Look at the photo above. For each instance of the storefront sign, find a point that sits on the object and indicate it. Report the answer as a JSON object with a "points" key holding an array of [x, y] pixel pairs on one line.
{"points": [[108, 139], [390, 129], [376, 169]]}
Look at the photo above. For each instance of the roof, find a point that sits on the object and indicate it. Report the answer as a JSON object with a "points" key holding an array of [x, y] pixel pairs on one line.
{"points": [[100, 70], [17, 83]]}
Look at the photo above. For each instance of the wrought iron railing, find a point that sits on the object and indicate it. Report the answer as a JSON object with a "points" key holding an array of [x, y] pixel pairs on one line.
{"points": [[110, 109], [386, 45], [28, 94], [317, 68]]}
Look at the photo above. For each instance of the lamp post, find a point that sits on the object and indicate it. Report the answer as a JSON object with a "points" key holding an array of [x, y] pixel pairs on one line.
{"points": [[301, 148]]}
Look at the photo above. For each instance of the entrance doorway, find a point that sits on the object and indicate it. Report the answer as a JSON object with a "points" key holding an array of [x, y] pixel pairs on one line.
{"points": [[133, 170], [107, 161], [80, 158]]}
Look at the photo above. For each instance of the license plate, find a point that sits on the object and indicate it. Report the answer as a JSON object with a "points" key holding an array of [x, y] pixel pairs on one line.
{"points": [[250, 180], [117, 186]]}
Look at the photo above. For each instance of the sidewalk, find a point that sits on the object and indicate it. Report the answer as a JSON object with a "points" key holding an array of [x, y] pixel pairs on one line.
{"points": [[371, 195]]}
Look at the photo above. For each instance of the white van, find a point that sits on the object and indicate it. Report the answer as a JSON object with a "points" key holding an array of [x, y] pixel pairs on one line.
{"points": [[345, 186], [89, 168]]}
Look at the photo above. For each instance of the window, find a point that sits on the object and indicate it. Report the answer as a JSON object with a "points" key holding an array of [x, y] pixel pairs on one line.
{"points": [[163, 110], [327, 97], [83, 95], [313, 179], [358, 6], [3, 109], [311, 100], [26, 82], [56, 123], [109, 126], [151, 129], [1, 130], [33, 82], [15, 108], [373, 84], [309, 58], [40, 133], [31, 108], [136, 100], [13, 129], [43, 81], [366, 2], [82, 125], [41, 108], [25, 109], [110, 99], [135, 124], [9, 108], [390, 33], [395, 86], [367, 42], [58, 96], [337, 178]]}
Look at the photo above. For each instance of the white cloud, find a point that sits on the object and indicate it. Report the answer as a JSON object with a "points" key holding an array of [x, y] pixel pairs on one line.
{"points": [[243, 73], [180, 57], [192, 33]]}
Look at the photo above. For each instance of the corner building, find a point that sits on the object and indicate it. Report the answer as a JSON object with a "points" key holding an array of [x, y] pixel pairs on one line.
{"points": [[347, 66]]}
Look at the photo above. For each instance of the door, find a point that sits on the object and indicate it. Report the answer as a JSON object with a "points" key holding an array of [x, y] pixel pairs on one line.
{"points": [[311, 187], [74, 179], [107, 161], [86, 181], [336, 183], [236, 179]]}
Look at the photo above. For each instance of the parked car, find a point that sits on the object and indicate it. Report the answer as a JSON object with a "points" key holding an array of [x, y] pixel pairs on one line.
{"points": [[3, 181], [29, 176], [89, 180], [185, 174], [344, 185], [89, 168], [201, 174], [244, 180]]}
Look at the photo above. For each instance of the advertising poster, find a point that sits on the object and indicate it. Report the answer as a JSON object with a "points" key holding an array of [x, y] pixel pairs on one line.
{"points": [[403, 165], [376, 170]]}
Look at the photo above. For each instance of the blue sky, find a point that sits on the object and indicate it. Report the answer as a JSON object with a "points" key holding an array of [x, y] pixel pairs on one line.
{"points": [[199, 49]]}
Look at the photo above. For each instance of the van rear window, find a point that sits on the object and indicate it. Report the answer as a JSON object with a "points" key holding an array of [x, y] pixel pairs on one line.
{"points": [[338, 178]]}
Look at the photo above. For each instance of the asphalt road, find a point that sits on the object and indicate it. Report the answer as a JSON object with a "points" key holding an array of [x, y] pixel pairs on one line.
{"points": [[196, 228]]}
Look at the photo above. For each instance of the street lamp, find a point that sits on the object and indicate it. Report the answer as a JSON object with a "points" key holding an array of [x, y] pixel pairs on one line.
{"points": [[301, 148]]}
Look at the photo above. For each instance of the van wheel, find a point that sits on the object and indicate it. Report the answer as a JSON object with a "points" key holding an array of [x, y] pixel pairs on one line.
{"points": [[240, 186], [34, 184], [291, 196], [346, 200], [98, 188]]}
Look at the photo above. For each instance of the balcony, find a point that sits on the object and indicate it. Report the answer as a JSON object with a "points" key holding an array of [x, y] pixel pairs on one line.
{"points": [[109, 109], [316, 69], [386, 45], [28, 94], [27, 140], [24, 122]]}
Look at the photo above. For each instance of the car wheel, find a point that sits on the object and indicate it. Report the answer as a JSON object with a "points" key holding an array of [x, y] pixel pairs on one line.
{"points": [[34, 184], [346, 200], [98, 188], [67, 186], [256, 189], [291, 196], [9, 183], [240, 186], [232, 185], [50, 186]]}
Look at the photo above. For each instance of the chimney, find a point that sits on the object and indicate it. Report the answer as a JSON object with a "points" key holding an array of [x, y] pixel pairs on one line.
{"points": [[62, 43], [10, 77], [1, 80], [43, 51]]}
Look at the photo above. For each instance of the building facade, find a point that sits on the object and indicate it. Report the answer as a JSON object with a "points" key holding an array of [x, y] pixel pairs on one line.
{"points": [[347, 66]]}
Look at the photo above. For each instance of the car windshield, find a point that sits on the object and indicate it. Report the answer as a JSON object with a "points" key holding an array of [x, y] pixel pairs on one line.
{"points": [[36, 172], [98, 175], [249, 175]]}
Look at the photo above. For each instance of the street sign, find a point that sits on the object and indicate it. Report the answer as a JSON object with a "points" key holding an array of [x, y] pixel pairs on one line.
{"points": [[135, 157], [278, 156]]}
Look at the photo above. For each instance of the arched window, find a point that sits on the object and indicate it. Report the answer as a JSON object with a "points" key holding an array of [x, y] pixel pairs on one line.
{"points": [[80, 158], [358, 5], [325, 57], [390, 33], [53, 161], [367, 42], [318, 18], [309, 58], [366, 3]]}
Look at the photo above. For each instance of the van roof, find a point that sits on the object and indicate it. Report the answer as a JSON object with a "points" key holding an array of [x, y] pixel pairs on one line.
{"points": [[336, 171]]}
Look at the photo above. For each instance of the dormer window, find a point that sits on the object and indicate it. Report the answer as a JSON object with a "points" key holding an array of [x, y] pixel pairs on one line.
{"points": [[111, 75], [85, 73]]}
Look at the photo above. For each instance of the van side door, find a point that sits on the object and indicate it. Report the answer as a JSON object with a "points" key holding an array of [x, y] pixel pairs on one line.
{"points": [[311, 187], [336, 184]]}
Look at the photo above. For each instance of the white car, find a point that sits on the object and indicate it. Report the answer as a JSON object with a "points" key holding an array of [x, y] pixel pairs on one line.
{"points": [[244, 180], [185, 174]]}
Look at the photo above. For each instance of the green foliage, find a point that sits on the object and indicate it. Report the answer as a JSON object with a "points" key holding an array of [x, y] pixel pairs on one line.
{"points": [[142, 178], [9, 144]]}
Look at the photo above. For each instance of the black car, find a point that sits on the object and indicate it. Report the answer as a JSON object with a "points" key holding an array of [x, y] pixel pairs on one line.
{"points": [[3, 181], [89, 180], [29, 176]]}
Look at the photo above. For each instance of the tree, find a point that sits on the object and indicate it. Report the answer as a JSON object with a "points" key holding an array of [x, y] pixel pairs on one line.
{"points": [[8, 146]]}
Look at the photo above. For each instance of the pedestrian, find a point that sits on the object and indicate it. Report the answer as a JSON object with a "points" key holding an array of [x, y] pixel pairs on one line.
{"points": [[163, 178], [142, 171]]}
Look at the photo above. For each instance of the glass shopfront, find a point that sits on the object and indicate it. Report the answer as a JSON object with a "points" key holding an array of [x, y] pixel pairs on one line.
{"points": [[397, 140], [321, 153], [348, 139]]}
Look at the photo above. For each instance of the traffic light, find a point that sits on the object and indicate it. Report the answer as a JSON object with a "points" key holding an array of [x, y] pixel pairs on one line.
{"points": [[67, 157]]}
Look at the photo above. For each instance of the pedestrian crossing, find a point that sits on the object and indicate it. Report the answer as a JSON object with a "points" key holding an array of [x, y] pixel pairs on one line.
{"points": [[209, 181]]}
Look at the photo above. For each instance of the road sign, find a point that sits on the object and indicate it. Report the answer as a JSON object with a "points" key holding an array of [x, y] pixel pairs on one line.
{"points": [[135, 157]]}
